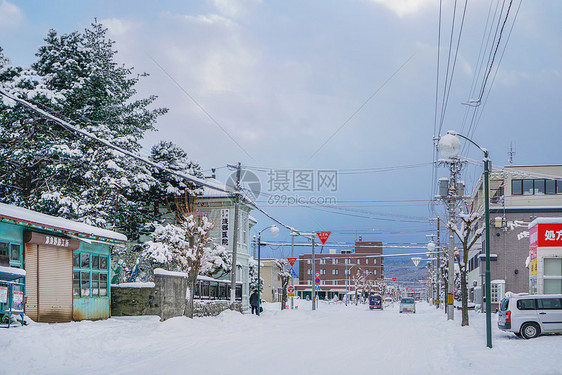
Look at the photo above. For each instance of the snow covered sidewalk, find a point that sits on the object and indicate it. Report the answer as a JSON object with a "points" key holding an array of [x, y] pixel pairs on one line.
{"points": [[334, 339]]}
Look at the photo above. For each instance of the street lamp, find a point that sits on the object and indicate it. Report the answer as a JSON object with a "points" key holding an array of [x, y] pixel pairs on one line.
{"points": [[274, 230], [453, 147]]}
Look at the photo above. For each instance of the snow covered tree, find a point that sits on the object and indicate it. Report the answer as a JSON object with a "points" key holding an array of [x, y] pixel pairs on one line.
{"points": [[52, 170], [468, 233], [167, 187], [285, 277], [253, 271], [186, 245]]}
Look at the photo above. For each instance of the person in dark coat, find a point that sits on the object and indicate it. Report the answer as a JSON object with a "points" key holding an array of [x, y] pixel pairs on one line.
{"points": [[254, 299]]}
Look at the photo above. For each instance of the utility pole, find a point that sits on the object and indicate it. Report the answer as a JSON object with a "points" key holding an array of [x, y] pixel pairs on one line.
{"points": [[438, 247], [313, 277], [455, 166], [235, 237]]}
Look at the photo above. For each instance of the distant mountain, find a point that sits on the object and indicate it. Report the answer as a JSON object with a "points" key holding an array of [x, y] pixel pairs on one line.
{"points": [[405, 272]]}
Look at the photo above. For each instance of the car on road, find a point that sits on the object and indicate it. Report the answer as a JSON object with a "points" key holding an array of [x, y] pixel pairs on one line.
{"points": [[375, 302], [407, 304], [529, 316], [388, 302]]}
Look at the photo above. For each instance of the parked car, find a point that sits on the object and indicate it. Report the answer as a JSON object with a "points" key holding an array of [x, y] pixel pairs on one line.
{"points": [[531, 315], [375, 302], [407, 304]]}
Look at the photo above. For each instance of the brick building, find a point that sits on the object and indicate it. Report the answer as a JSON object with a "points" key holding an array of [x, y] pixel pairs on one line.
{"points": [[336, 269]]}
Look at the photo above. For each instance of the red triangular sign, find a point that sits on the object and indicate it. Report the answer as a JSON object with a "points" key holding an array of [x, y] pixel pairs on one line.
{"points": [[292, 261], [323, 236]]}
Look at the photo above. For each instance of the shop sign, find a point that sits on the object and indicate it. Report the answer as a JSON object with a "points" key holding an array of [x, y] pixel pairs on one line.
{"points": [[18, 298], [546, 235], [3, 294]]}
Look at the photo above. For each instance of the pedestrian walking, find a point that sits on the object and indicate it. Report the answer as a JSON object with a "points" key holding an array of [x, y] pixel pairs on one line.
{"points": [[254, 301]]}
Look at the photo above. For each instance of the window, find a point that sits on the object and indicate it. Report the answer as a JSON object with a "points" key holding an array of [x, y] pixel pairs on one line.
{"points": [[11, 254], [347, 261], [84, 260], [375, 272], [526, 304], [550, 187], [323, 261], [309, 271], [539, 187], [308, 261], [335, 282], [90, 275], [322, 282], [334, 261], [516, 187], [375, 261], [528, 187], [553, 266], [549, 303], [366, 260], [552, 275], [347, 272], [335, 272], [358, 261], [15, 255], [322, 272]]}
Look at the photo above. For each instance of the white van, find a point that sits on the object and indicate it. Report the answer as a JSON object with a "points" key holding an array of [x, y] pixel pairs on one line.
{"points": [[531, 315]]}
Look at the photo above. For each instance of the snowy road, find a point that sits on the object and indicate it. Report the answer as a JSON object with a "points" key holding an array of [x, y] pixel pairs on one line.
{"points": [[334, 339]]}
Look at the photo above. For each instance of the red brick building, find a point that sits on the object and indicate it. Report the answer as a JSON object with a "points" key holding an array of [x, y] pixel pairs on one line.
{"points": [[336, 269]]}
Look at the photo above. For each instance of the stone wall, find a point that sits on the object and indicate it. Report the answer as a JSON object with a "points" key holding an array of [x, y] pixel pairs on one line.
{"points": [[165, 298], [212, 307], [128, 300]]}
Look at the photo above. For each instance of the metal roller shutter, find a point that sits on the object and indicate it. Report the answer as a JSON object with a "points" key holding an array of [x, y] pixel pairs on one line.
{"points": [[30, 259], [55, 284]]}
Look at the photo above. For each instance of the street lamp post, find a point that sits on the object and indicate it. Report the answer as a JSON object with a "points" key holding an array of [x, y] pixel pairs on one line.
{"points": [[454, 150], [274, 230]]}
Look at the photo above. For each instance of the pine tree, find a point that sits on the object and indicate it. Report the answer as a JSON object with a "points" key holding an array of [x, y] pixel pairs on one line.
{"points": [[54, 171]]}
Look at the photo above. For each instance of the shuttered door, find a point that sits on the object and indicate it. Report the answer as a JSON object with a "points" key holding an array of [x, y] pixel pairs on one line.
{"points": [[30, 259], [55, 284]]}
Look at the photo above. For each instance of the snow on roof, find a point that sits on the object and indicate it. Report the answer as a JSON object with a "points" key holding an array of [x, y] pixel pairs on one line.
{"points": [[545, 220], [160, 271], [23, 215], [12, 270], [212, 193]]}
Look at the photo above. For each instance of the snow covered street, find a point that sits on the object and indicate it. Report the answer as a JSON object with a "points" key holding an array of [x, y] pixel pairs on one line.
{"points": [[334, 339]]}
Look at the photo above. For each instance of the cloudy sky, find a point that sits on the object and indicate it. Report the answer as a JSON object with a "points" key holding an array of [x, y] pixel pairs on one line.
{"points": [[359, 87]]}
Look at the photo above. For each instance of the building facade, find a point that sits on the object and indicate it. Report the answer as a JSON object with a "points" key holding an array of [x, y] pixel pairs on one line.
{"points": [[67, 264], [220, 208], [518, 195], [336, 270], [272, 290]]}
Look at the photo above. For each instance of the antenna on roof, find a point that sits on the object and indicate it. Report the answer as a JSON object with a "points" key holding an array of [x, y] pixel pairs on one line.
{"points": [[511, 152]]}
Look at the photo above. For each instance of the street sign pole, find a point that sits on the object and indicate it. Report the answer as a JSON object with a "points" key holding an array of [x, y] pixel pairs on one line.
{"points": [[313, 276], [292, 255]]}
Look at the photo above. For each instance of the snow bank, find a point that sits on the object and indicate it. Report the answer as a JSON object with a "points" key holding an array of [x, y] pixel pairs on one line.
{"points": [[148, 284]]}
